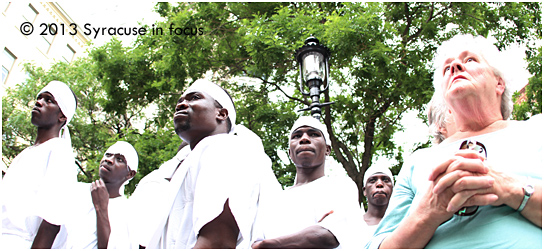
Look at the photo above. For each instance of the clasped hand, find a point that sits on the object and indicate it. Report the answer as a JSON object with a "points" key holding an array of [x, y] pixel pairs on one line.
{"points": [[466, 180]]}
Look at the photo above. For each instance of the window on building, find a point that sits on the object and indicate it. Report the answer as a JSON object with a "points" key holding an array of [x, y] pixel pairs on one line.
{"points": [[68, 53], [8, 60], [30, 13], [6, 6], [5, 73], [44, 44]]}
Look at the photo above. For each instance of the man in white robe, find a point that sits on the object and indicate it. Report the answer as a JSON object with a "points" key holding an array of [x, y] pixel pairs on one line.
{"points": [[145, 199], [211, 191], [377, 187], [101, 214], [317, 211], [33, 205]]}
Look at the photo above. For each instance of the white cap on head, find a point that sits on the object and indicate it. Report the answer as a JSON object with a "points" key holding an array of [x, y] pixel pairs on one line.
{"points": [[311, 122], [217, 93], [221, 96], [126, 149], [66, 101], [377, 169]]}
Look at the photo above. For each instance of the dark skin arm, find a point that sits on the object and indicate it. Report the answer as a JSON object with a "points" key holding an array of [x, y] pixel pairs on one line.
{"points": [[46, 235], [311, 237], [222, 232], [101, 197]]}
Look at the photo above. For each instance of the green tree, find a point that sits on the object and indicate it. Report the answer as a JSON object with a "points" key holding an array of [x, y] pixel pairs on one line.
{"points": [[380, 56], [380, 68], [93, 129], [531, 103]]}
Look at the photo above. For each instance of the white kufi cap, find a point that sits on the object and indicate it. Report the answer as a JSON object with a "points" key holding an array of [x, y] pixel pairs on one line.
{"points": [[126, 149], [66, 101], [377, 169], [217, 93], [311, 122]]}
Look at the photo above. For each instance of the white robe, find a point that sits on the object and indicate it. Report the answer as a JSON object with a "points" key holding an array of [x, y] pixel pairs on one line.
{"points": [[149, 195], [33, 189], [368, 231], [82, 228], [220, 167], [303, 206]]}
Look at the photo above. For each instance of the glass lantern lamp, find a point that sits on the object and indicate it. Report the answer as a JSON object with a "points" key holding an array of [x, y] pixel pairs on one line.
{"points": [[313, 61]]}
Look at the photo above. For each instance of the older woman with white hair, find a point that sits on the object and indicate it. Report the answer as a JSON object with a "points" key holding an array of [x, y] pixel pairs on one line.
{"points": [[481, 187]]}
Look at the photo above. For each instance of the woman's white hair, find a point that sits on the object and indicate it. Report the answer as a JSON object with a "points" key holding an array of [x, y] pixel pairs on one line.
{"points": [[489, 52], [436, 116]]}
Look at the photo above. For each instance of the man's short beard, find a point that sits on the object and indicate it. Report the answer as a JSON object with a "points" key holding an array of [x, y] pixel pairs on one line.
{"points": [[182, 127]]}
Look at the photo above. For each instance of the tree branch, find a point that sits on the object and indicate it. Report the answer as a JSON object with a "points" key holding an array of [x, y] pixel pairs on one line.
{"points": [[349, 163], [281, 90], [420, 29]]}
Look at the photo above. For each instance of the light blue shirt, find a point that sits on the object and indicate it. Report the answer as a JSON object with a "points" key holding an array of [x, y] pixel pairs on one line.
{"points": [[515, 150]]}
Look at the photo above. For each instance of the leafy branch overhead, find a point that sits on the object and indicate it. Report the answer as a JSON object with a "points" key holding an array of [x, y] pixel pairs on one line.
{"points": [[380, 69]]}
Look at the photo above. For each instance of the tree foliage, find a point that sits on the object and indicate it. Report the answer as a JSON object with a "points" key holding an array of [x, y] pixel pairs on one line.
{"points": [[531, 103], [380, 68], [92, 129]]}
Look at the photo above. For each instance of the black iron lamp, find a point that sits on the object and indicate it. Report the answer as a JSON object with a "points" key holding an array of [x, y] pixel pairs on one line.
{"points": [[313, 61]]}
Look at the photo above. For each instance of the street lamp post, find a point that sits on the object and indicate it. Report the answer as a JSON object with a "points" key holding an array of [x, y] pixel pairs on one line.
{"points": [[313, 61]]}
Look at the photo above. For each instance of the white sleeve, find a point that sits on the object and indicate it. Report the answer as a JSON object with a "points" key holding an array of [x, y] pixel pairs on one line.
{"points": [[122, 234], [345, 222], [53, 202], [145, 203], [227, 171]]}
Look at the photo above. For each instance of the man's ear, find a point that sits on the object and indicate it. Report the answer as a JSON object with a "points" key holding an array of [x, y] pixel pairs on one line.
{"points": [[222, 114], [62, 118], [364, 191], [328, 150], [131, 174]]}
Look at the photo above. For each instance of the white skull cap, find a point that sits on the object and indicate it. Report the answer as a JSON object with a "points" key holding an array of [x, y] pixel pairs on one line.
{"points": [[65, 100], [217, 93], [311, 122], [377, 169], [126, 149]]}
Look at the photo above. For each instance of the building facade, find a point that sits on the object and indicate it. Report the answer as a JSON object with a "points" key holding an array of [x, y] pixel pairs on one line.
{"points": [[50, 41]]}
